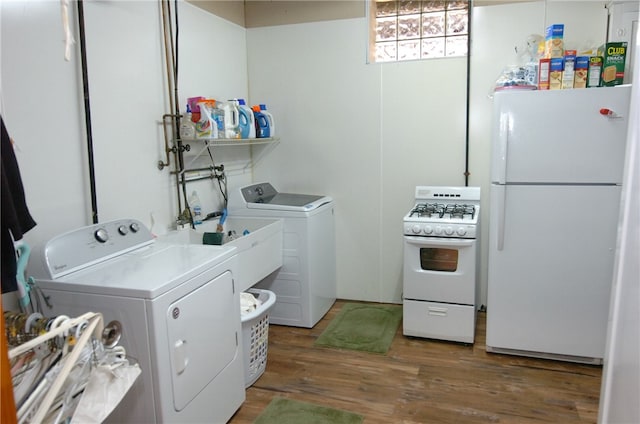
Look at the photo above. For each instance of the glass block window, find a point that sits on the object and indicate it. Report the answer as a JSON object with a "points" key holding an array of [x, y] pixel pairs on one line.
{"points": [[413, 29]]}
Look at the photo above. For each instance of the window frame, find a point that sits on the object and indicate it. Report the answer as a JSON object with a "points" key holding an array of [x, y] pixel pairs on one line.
{"points": [[372, 42]]}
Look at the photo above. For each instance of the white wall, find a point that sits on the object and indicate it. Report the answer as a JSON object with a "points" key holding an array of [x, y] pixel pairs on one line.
{"points": [[364, 134], [42, 106], [368, 134]]}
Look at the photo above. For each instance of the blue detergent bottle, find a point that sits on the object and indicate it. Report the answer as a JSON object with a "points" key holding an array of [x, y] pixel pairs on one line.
{"points": [[262, 123], [272, 123], [247, 122]]}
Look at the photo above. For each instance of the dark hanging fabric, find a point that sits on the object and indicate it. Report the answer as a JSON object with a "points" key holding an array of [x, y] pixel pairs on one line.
{"points": [[15, 216]]}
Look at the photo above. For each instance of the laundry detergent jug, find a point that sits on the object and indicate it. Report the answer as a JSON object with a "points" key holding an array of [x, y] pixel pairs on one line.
{"points": [[246, 120], [262, 123]]}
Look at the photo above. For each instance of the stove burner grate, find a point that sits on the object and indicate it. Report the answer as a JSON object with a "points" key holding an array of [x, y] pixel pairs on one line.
{"points": [[428, 210]]}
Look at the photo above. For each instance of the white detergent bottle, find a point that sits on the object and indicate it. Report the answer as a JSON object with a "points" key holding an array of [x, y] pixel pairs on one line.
{"points": [[246, 121], [231, 129], [272, 124], [217, 113], [206, 126], [196, 208]]}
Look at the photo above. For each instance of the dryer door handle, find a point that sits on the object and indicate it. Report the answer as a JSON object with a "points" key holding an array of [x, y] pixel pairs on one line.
{"points": [[180, 356]]}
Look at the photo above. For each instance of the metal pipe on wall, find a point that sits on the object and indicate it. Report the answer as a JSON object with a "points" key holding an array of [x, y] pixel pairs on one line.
{"points": [[467, 124], [87, 114]]}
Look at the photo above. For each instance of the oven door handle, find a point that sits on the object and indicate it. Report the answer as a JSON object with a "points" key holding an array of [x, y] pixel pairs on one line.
{"points": [[440, 242]]}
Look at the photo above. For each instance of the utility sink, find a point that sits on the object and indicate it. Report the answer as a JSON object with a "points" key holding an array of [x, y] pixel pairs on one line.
{"points": [[258, 243]]}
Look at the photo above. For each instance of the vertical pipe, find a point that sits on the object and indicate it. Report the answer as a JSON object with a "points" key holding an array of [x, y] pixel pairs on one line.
{"points": [[87, 114], [466, 148]]}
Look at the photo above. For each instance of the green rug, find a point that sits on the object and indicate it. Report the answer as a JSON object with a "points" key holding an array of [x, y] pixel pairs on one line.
{"points": [[287, 411], [365, 327]]}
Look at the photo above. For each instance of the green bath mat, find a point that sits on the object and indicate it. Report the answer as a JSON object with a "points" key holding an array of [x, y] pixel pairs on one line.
{"points": [[287, 411], [364, 327]]}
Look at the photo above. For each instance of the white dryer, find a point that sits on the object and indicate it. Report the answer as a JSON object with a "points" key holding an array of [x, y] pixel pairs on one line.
{"points": [[177, 309], [305, 285]]}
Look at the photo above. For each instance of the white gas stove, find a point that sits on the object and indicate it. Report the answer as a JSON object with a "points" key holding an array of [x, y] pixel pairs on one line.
{"points": [[440, 269], [444, 212]]}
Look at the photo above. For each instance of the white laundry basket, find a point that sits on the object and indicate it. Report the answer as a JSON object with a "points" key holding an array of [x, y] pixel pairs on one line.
{"points": [[255, 335]]}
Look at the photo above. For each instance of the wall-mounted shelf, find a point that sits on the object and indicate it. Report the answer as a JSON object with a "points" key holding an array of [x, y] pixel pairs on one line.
{"points": [[213, 142], [198, 145]]}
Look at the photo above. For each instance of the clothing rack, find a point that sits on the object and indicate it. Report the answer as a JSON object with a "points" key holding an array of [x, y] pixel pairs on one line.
{"points": [[87, 326]]}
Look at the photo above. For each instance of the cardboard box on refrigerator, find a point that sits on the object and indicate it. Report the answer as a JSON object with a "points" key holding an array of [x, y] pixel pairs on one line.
{"points": [[594, 72], [554, 41], [568, 72], [543, 74], [614, 55], [581, 71], [556, 67]]}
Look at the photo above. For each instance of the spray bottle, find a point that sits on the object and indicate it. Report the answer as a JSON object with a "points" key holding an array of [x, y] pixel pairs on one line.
{"points": [[187, 128], [196, 207]]}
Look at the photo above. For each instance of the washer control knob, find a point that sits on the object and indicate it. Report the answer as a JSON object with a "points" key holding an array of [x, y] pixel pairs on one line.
{"points": [[461, 231], [134, 227], [123, 230], [428, 229], [448, 231], [438, 230], [101, 235], [416, 229]]}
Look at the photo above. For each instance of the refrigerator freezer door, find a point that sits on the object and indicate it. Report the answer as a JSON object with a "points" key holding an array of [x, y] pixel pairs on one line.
{"points": [[549, 283], [560, 136]]}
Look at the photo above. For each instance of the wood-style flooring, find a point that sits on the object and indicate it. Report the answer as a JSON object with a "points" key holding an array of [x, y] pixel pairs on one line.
{"points": [[423, 381]]}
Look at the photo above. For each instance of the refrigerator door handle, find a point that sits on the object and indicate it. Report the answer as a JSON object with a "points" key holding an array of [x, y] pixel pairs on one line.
{"points": [[501, 194], [503, 147]]}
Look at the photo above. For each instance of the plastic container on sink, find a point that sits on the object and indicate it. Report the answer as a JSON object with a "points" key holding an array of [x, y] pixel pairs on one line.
{"points": [[258, 245]]}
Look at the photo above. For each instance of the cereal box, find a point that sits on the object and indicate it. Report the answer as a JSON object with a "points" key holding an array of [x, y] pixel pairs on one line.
{"points": [[554, 44], [613, 55], [568, 72], [581, 69], [543, 74], [594, 72], [556, 65]]}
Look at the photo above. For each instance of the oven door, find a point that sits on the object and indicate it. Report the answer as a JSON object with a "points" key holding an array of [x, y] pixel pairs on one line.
{"points": [[440, 269]]}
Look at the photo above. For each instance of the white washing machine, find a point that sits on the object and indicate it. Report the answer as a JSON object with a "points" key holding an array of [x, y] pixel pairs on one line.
{"points": [[305, 285], [177, 309]]}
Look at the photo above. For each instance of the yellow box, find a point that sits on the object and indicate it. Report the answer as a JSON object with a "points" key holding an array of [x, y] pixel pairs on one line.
{"points": [[555, 73], [554, 41]]}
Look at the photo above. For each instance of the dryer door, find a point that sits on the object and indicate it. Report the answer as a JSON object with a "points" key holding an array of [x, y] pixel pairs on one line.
{"points": [[202, 341]]}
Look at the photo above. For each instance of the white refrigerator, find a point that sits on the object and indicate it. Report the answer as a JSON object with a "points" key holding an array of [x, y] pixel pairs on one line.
{"points": [[556, 171]]}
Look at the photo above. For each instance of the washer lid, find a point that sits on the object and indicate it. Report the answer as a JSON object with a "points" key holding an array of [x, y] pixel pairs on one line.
{"points": [[265, 196], [291, 202], [144, 273]]}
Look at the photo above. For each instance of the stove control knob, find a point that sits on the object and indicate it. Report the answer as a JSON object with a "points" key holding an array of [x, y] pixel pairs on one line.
{"points": [[101, 235], [428, 229], [134, 227], [438, 230], [416, 229], [461, 231], [123, 230], [448, 231]]}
